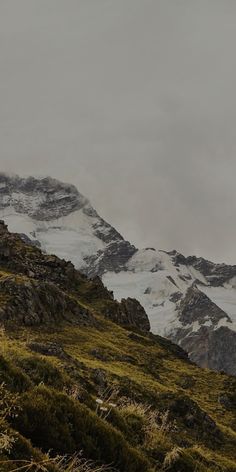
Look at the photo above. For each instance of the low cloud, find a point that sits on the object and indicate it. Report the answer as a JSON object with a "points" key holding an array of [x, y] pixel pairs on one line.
{"points": [[133, 101]]}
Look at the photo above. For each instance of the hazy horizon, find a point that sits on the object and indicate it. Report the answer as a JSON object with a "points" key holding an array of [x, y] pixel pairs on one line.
{"points": [[134, 102]]}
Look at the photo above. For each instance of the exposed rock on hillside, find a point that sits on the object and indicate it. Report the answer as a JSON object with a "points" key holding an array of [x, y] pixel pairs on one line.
{"points": [[132, 313], [200, 334], [114, 259], [216, 274], [39, 292], [33, 302], [197, 307], [128, 312], [215, 349], [56, 216]]}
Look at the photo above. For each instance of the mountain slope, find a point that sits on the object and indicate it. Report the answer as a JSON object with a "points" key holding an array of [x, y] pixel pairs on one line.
{"points": [[57, 217], [74, 379]]}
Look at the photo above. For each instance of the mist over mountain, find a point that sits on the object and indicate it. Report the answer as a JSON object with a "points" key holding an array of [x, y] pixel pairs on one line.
{"points": [[132, 101]]}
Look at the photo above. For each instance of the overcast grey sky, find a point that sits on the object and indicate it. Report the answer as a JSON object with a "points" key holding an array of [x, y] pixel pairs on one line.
{"points": [[133, 101]]}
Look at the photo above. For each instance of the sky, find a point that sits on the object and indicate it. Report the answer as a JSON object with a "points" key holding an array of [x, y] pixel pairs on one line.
{"points": [[134, 102]]}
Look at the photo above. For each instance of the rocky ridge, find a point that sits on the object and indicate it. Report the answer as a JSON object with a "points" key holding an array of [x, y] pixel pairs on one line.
{"points": [[34, 289], [188, 299]]}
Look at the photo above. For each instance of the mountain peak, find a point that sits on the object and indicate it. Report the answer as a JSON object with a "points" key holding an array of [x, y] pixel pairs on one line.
{"points": [[41, 198], [56, 216]]}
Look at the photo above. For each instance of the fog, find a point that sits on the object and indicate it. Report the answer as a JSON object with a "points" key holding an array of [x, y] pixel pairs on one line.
{"points": [[134, 102]]}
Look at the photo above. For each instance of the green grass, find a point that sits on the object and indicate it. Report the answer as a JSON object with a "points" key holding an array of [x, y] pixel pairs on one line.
{"points": [[144, 376], [44, 383]]}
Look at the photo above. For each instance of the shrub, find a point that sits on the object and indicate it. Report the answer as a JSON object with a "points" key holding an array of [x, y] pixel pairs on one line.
{"points": [[54, 421], [12, 377], [41, 371]]}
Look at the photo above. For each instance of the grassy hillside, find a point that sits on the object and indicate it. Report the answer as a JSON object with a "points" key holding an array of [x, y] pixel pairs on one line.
{"points": [[79, 383]]}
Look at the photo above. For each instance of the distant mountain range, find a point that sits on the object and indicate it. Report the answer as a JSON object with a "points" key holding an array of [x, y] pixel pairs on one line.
{"points": [[189, 300]]}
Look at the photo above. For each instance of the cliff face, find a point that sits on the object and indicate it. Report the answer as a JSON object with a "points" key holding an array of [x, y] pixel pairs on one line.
{"points": [[31, 302]]}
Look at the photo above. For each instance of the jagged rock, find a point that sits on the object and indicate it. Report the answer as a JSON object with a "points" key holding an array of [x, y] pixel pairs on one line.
{"points": [[215, 349], [175, 297], [216, 274], [132, 313], [129, 312], [114, 258], [33, 302], [49, 349], [47, 198], [49, 275], [27, 240], [208, 345], [29, 260], [196, 306]]}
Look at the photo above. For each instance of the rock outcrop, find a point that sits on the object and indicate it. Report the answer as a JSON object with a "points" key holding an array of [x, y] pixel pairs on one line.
{"points": [[42, 199], [208, 343], [215, 274], [31, 302], [132, 313], [56, 216], [197, 307], [34, 289], [114, 259], [214, 349]]}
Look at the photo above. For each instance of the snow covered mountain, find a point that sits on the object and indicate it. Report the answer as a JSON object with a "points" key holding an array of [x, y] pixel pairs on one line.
{"points": [[60, 219], [188, 299]]}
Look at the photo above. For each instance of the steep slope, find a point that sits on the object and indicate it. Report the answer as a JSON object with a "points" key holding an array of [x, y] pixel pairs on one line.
{"points": [[84, 373], [58, 218], [188, 300], [63, 222]]}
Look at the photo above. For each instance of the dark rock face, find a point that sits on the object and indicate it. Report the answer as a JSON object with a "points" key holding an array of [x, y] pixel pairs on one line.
{"points": [[222, 350], [216, 274], [27, 240], [32, 302], [105, 232], [214, 349], [128, 313], [196, 306], [44, 199], [209, 346], [133, 314], [114, 258], [17, 257]]}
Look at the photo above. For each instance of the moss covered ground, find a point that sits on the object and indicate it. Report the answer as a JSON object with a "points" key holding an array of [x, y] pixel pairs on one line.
{"points": [[126, 400]]}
